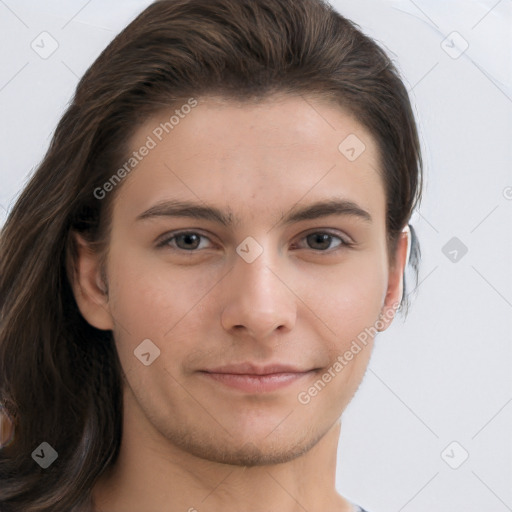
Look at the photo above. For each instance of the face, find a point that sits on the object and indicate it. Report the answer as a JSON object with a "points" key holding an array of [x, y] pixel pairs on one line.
{"points": [[254, 300]]}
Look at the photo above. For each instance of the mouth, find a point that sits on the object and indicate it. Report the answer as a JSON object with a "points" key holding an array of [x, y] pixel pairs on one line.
{"points": [[253, 379]]}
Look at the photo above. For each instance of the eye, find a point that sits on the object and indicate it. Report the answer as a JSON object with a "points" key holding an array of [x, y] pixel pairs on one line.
{"points": [[322, 241], [319, 241], [186, 241]]}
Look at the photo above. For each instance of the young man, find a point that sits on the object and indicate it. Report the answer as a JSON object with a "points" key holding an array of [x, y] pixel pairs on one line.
{"points": [[225, 203]]}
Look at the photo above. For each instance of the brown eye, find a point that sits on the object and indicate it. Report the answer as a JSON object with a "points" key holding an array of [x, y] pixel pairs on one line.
{"points": [[188, 241], [323, 241], [185, 241]]}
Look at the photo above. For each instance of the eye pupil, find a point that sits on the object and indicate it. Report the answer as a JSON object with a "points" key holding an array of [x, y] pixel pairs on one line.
{"points": [[189, 238], [324, 239]]}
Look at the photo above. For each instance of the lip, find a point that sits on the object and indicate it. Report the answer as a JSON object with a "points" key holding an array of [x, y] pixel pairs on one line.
{"points": [[257, 379]]}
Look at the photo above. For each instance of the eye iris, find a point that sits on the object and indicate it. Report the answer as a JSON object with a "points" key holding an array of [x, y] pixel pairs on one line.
{"points": [[189, 238], [324, 239]]}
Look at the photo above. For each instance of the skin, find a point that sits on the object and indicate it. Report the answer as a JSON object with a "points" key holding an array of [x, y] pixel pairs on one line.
{"points": [[192, 443]]}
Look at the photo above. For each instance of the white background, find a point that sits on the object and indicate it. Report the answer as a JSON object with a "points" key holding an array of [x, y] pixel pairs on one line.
{"points": [[444, 374]]}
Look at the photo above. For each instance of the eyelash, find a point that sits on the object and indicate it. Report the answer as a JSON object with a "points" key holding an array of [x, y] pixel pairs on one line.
{"points": [[165, 243]]}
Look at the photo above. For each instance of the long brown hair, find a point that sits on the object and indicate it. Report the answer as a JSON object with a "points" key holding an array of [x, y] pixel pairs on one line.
{"points": [[60, 378]]}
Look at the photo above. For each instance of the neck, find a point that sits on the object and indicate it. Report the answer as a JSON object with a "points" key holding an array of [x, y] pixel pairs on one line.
{"points": [[153, 475]]}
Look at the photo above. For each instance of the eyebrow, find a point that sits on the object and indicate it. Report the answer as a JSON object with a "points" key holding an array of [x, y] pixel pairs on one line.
{"points": [[176, 208]]}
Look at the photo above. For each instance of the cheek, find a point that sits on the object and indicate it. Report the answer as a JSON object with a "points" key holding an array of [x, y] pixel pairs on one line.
{"points": [[148, 301], [151, 300], [349, 303], [348, 297]]}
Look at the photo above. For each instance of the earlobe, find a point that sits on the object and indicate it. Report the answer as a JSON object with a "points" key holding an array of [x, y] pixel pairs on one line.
{"points": [[395, 288], [89, 288]]}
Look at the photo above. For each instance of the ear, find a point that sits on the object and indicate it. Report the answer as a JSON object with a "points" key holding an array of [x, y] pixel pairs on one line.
{"points": [[395, 287], [88, 287]]}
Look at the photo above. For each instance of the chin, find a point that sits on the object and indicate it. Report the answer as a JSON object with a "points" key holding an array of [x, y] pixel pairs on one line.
{"points": [[248, 453]]}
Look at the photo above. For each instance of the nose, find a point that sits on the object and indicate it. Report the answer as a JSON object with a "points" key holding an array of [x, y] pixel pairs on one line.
{"points": [[258, 299]]}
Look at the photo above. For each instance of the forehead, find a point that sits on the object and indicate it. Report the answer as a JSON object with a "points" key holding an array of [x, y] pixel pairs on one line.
{"points": [[254, 156]]}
